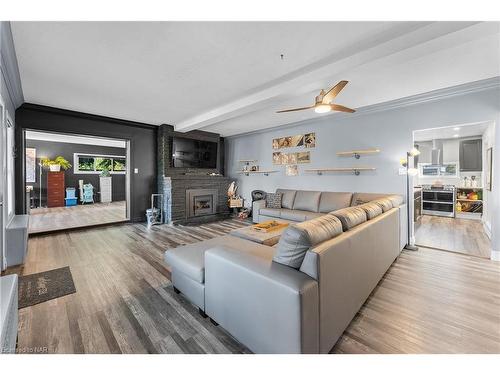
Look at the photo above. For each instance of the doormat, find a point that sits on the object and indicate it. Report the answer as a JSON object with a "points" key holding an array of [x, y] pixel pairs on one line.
{"points": [[44, 286]]}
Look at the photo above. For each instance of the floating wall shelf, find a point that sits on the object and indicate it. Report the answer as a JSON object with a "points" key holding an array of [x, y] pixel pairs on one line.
{"points": [[247, 161], [265, 173], [357, 153], [355, 170]]}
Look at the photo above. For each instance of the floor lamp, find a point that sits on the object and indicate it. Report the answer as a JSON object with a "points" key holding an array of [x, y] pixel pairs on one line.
{"points": [[409, 172]]}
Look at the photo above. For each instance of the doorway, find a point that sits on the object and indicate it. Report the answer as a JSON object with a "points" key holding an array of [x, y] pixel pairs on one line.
{"points": [[75, 181], [452, 190]]}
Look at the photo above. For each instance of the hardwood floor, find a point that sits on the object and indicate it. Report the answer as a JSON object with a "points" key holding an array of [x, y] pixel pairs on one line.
{"points": [[429, 301], [457, 235], [57, 218]]}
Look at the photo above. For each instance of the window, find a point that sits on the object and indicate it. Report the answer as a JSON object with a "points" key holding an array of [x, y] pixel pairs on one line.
{"points": [[95, 164]]}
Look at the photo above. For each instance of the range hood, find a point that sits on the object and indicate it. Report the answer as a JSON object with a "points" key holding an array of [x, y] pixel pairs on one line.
{"points": [[437, 152]]}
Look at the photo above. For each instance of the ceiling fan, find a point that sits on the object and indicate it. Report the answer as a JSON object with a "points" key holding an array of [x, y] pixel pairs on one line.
{"points": [[323, 102]]}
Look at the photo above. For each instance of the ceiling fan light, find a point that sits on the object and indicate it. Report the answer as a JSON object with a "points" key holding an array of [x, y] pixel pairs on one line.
{"points": [[322, 108]]}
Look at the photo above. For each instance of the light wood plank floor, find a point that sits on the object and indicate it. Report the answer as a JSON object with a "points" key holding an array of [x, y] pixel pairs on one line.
{"points": [[429, 301], [57, 218], [458, 235]]}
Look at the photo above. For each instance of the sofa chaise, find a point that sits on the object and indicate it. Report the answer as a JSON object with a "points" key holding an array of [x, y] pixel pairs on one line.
{"points": [[300, 295]]}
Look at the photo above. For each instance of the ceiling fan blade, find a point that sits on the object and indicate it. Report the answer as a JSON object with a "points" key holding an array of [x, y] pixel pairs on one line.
{"points": [[341, 108], [294, 109], [333, 92]]}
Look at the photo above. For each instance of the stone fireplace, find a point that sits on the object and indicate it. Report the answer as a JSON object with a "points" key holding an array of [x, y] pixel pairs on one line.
{"points": [[191, 195], [201, 202]]}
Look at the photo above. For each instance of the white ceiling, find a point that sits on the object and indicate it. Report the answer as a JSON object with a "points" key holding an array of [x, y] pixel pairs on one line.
{"points": [[228, 77], [460, 131], [76, 139]]}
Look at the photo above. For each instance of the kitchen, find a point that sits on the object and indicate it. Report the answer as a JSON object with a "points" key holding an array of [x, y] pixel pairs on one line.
{"points": [[453, 187]]}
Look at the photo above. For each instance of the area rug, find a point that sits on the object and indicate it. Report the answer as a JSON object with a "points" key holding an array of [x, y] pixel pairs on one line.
{"points": [[44, 286]]}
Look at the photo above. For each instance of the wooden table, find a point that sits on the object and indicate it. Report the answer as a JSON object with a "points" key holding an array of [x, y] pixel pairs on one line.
{"points": [[264, 238]]}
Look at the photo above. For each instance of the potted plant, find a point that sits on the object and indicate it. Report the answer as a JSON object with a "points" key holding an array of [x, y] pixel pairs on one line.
{"points": [[56, 164], [105, 172]]}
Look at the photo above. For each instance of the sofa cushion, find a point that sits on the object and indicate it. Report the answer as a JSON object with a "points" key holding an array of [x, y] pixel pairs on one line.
{"points": [[272, 212], [298, 238], [385, 203], [190, 259], [288, 196], [298, 215], [371, 209], [307, 200], [350, 217], [273, 200], [396, 200], [362, 198], [332, 201]]}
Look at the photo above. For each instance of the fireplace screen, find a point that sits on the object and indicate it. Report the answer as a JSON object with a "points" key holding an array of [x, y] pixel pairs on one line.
{"points": [[202, 205], [200, 202]]}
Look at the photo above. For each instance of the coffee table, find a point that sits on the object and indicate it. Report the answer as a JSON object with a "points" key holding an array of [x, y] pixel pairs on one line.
{"points": [[264, 238]]}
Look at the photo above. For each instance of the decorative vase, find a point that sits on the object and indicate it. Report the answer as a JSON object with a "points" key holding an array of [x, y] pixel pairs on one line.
{"points": [[55, 168]]}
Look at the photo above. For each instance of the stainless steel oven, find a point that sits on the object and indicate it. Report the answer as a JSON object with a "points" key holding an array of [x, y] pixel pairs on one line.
{"points": [[438, 201]]}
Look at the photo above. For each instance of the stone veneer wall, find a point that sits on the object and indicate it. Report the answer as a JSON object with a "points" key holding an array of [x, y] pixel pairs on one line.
{"points": [[173, 182]]}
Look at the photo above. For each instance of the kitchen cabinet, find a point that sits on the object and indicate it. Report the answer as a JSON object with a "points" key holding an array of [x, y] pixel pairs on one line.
{"points": [[471, 159]]}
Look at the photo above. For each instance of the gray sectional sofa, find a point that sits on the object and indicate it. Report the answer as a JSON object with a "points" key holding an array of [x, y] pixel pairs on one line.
{"points": [[301, 294], [300, 205]]}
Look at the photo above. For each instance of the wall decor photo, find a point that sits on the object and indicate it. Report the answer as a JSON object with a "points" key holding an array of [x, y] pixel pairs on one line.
{"points": [[489, 168], [30, 164], [303, 157], [310, 140], [276, 143], [292, 170], [290, 158], [277, 158], [301, 140], [297, 141]]}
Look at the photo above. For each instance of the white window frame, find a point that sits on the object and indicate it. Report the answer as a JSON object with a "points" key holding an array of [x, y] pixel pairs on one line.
{"points": [[76, 155], [10, 148]]}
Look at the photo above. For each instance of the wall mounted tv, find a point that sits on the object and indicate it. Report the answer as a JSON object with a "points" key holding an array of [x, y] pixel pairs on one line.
{"points": [[192, 153]]}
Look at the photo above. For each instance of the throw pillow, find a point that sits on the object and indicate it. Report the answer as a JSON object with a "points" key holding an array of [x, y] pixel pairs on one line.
{"points": [[273, 200], [299, 238]]}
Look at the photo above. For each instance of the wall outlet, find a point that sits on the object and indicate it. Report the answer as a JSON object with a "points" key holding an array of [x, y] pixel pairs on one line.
{"points": [[402, 171], [136, 170]]}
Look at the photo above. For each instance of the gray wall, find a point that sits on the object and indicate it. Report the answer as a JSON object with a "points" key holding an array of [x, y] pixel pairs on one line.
{"points": [[388, 127], [66, 150]]}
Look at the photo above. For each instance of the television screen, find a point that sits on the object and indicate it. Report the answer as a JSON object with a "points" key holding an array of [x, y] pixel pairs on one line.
{"points": [[191, 153]]}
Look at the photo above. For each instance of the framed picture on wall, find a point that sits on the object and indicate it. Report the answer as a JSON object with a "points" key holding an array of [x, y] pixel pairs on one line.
{"points": [[30, 164], [489, 167]]}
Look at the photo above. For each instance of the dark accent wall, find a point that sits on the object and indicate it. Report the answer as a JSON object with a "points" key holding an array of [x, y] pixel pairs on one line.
{"points": [[66, 150], [142, 137]]}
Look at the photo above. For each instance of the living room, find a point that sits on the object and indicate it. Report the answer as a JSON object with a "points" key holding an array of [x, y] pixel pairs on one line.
{"points": [[265, 190]]}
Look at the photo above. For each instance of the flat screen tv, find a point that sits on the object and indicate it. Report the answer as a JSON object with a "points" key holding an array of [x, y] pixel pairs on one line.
{"points": [[191, 153]]}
